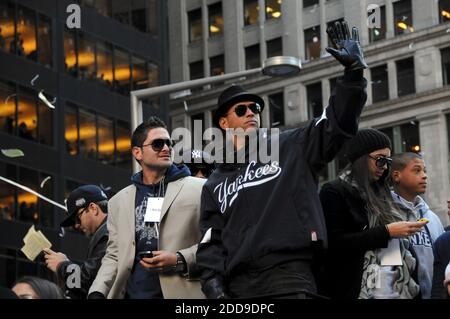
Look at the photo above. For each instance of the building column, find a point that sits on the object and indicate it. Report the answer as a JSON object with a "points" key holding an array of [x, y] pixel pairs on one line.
{"points": [[296, 109], [205, 31], [425, 14], [233, 13], [179, 70], [434, 144], [325, 92], [356, 16], [389, 19], [392, 80], [262, 32], [428, 69], [323, 27], [368, 76], [293, 28], [265, 115]]}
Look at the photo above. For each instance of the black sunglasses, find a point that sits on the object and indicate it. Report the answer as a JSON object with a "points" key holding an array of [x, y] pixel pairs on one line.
{"points": [[380, 161], [158, 144], [78, 216], [241, 109], [206, 171]]}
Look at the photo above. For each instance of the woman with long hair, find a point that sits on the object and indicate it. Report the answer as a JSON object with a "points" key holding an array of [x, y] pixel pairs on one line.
{"points": [[368, 255]]}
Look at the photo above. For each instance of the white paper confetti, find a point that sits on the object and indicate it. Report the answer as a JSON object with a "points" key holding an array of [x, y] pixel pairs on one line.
{"points": [[34, 79], [45, 181], [44, 99]]}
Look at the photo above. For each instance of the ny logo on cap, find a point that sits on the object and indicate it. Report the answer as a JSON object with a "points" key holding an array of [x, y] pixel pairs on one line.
{"points": [[80, 202]]}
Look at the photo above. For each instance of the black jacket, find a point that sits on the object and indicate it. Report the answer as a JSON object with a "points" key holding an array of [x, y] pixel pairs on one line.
{"points": [[441, 249], [271, 213], [88, 269], [349, 237]]}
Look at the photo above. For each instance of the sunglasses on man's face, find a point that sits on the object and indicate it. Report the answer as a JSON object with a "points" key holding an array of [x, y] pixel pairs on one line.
{"points": [[158, 144], [380, 161], [241, 109]]}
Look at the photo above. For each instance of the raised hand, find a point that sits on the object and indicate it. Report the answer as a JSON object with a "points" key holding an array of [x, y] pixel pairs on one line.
{"points": [[347, 49]]}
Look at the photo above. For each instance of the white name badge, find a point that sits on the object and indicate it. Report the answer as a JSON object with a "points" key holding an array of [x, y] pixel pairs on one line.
{"points": [[153, 211], [391, 256]]}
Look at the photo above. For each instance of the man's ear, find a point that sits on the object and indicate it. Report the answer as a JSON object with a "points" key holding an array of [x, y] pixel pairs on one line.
{"points": [[396, 176], [137, 153], [223, 123]]}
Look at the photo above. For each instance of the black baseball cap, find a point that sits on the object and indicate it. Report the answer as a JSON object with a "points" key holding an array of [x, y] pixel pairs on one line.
{"points": [[81, 197]]}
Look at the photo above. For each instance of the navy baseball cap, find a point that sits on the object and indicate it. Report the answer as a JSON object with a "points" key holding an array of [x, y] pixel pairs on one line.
{"points": [[81, 197]]}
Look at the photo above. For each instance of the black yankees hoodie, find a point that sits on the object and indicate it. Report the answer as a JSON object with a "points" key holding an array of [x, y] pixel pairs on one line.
{"points": [[254, 215]]}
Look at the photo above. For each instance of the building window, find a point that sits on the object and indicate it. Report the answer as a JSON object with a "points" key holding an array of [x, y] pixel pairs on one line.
{"points": [[217, 65], [25, 44], [45, 51], [7, 25], [70, 53], [8, 109], [405, 77], [403, 17], [274, 47], [22, 115], [309, 3], [444, 10], [86, 57], [121, 11], [380, 86], [312, 43], [121, 71], [88, 135], [332, 23], [16, 204], [252, 57], [199, 120], [405, 138], [376, 34], [251, 12], [314, 99], [139, 15], [105, 140], [273, 9], [276, 102], [144, 74], [196, 70], [215, 19], [445, 53], [97, 137], [123, 145], [195, 25], [104, 63]]}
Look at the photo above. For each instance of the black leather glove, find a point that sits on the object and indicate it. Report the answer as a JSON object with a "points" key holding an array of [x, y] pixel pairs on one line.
{"points": [[347, 48], [213, 289], [96, 295]]}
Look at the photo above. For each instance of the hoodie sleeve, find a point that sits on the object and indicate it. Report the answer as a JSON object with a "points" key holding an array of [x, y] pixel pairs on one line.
{"points": [[322, 139], [211, 254]]}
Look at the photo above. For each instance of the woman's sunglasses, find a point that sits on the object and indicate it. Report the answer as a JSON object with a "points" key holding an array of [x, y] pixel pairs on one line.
{"points": [[380, 161], [241, 109], [158, 144]]}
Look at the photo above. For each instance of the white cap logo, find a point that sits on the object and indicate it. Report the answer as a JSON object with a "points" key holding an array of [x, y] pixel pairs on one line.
{"points": [[80, 202]]}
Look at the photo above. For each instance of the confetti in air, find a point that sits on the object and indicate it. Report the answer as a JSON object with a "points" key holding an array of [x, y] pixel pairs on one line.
{"points": [[45, 181], [10, 96], [12, 153], [44, 99], [34, 79]]}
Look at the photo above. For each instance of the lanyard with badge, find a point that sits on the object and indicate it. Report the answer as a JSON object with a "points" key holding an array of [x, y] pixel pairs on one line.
{"points": [[153, 210]]}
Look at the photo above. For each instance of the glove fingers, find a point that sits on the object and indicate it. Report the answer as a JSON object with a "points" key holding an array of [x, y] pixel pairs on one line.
{"points": [[332, 36], [345, 30], [339, 32], [355, 34], [334, 53]]}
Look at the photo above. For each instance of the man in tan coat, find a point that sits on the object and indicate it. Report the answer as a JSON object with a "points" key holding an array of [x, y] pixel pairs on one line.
{"points": [[153, 226]]}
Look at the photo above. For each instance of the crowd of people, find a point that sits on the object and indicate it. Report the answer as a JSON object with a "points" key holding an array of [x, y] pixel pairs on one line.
{"points": [[263, 230]]}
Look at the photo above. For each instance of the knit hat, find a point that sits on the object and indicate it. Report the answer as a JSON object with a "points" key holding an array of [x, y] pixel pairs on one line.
{"points": [[365, 142]]}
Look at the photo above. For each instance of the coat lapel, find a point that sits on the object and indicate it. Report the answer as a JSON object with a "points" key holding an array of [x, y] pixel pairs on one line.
{"points": [[173, 189], [130, 208]]}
